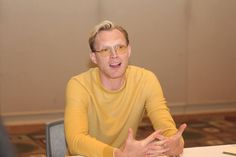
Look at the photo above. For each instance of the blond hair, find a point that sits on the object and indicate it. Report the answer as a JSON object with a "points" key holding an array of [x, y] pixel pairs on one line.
{"points": [[105, 26]]}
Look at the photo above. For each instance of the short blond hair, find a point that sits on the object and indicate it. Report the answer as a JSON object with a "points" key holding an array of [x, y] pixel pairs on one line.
{"points": [[105, 26]]}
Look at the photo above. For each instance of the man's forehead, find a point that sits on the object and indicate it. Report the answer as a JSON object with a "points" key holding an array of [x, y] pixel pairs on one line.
{"points": [[110, 35], [110, 32]]}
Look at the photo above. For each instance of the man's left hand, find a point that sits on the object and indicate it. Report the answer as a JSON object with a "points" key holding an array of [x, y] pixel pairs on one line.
{"points": [[173, 145]]}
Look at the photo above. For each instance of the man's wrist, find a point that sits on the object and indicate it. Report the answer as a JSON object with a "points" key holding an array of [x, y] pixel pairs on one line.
{"points": [[118, 153]]}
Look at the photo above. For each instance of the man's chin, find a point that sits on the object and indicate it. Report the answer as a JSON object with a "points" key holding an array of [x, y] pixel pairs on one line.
{"points": [[117, 75]]}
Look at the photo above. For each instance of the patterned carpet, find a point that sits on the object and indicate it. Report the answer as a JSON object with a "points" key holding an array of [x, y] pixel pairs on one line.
{"points": [[202, 132], [29, 145], [212, 132]]}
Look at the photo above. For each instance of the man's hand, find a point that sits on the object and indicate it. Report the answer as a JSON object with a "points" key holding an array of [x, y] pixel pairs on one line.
{"points": [[134, 148], [170, 146]]}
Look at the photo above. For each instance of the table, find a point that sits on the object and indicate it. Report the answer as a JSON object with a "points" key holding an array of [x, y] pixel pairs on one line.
{"points": [[207, 151]]}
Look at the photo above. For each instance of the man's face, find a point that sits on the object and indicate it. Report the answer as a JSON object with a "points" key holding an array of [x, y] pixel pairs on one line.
{"points": [[111, 66]]}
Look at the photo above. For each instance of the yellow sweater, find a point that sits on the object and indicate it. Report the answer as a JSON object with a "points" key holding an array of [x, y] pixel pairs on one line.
{"points": [[97, 120]]}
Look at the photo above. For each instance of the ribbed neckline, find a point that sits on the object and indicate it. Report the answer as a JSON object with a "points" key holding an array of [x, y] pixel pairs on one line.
{"points": [[107, 90]]}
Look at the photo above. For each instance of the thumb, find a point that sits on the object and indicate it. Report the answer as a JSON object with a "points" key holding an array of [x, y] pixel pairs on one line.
{"points": [[181, 129], [130, 134]]}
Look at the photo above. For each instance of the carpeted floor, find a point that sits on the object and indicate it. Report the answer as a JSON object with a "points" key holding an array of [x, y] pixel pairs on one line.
{"points": [[29, 140], [200, 132], [29, 145], [203, 132]]}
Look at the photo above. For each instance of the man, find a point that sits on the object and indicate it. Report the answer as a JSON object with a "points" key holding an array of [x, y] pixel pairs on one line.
{"points": [[105, 104]]}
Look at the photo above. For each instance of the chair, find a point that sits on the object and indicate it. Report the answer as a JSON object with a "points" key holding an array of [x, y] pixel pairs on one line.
{"points": [[55, 139]]}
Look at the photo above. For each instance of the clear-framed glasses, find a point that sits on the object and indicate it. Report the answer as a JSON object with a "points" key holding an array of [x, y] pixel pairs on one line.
{"points": [[119, 49]]}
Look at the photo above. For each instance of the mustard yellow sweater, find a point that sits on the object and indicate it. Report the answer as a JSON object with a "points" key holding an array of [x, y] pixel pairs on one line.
{"points": [[97, 120]]}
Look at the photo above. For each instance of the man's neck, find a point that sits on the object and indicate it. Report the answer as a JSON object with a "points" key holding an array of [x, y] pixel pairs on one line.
{"points": [[113, 84]]}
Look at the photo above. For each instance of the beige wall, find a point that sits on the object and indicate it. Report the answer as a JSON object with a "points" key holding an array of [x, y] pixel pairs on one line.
{"points": [[43, 43], [189, 44], [212, 51]]}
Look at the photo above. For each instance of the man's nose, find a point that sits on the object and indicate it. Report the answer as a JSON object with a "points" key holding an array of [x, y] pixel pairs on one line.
{"points": [[113, 52]]}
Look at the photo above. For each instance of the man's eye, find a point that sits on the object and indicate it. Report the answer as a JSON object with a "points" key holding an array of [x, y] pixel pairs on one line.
{"points": [[120, 47], [105, 50]]}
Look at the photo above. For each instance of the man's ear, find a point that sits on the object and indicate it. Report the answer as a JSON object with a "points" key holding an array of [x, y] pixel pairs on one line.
{"points": [[129, 50], [93, 57]]}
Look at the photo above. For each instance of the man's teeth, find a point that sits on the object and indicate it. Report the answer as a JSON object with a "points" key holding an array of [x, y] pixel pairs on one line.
{"points": [[115, 64]]}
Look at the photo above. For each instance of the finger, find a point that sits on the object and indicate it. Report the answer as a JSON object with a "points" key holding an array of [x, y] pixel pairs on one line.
{"points": [[181, 129], [159, 143], [130, 134], [160, 137], [162, 145], [157, 150], [151, 137]]}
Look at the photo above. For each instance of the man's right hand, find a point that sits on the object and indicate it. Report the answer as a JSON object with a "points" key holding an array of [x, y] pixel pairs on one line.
{"points": [[135, 148]]}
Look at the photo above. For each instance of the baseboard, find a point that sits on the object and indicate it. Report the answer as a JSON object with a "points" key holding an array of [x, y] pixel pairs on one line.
{"points": [[41, 117], [175, 109], [183, 108]]}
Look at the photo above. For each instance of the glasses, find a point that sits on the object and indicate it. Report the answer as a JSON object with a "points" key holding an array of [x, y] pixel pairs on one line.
{"points": [[119, 49]]}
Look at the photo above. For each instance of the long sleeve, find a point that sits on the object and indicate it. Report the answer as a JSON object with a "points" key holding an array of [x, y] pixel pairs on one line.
{"points": [[76, 124], [157, 109]]}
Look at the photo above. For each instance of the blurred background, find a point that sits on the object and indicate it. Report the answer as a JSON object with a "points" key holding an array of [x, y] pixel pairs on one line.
{"points": [[189, 44]]}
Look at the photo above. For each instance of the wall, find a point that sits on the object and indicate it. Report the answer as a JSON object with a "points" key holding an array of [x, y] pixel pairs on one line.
{"points": [[212, 52], [189, 44], [211, 74]]}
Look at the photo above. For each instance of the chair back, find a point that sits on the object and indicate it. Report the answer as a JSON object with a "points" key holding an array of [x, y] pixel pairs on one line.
{"points": [[55, 139]]}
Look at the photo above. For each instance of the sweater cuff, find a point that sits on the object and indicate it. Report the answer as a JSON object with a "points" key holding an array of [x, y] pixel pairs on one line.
{"points": [[114, 152], [108, 151]]}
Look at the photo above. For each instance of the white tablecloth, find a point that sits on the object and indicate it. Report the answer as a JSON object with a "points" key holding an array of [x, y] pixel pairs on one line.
{"points": [[208, 151]]}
